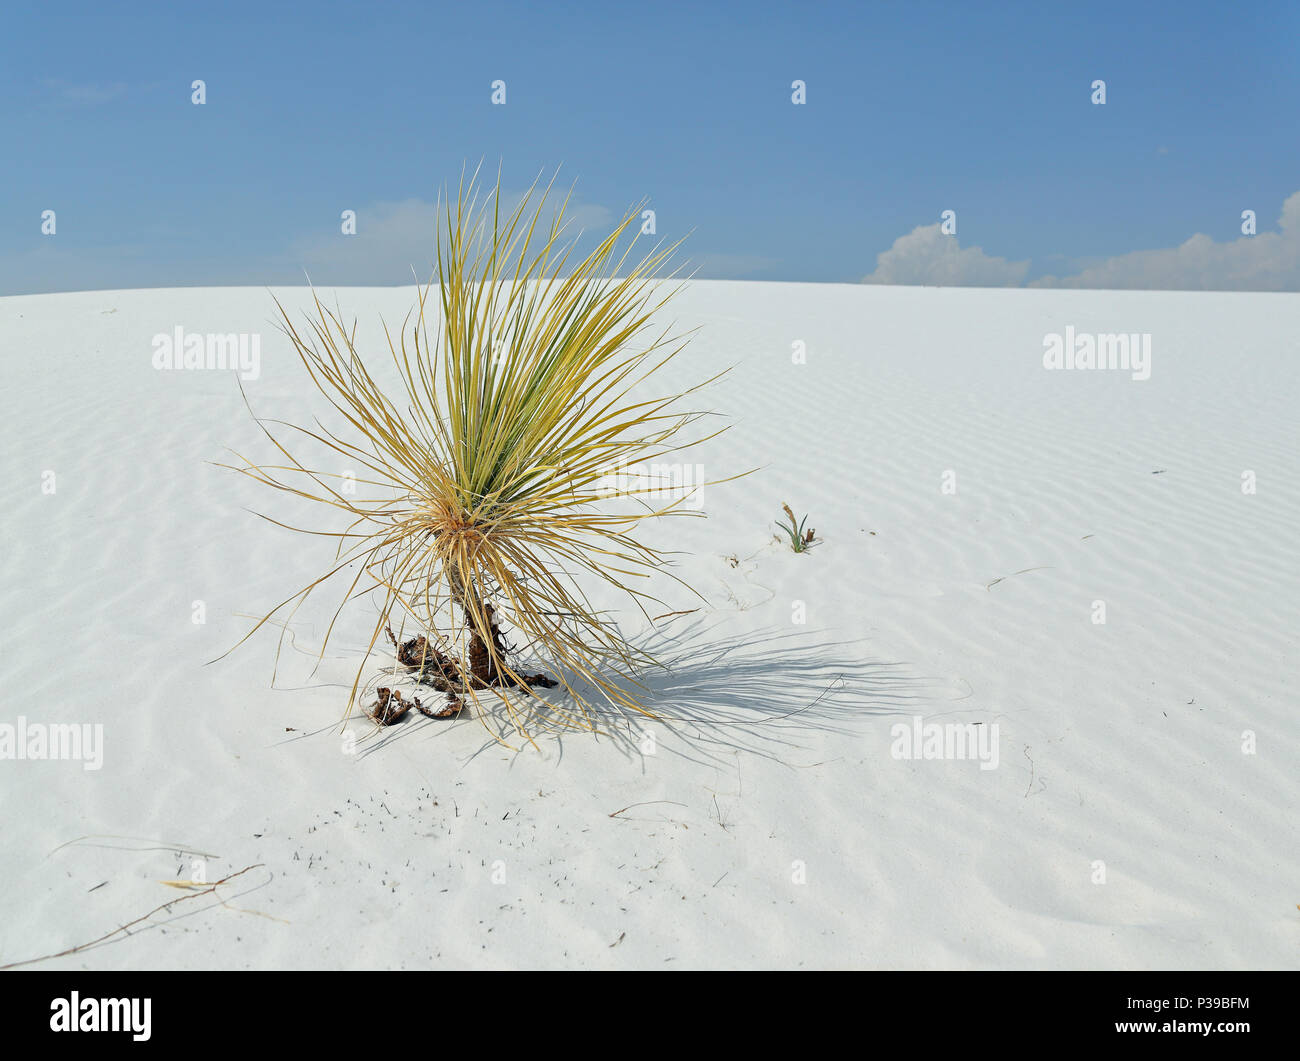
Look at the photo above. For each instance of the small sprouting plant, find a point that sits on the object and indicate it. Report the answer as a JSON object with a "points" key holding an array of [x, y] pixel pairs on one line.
{"points": [[800, 540]]}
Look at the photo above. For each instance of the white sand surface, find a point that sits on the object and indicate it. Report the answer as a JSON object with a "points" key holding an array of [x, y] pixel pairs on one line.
{"points": [[1129, 822]]}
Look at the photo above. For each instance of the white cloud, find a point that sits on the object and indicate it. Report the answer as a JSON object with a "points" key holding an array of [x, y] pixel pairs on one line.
{"points": [[927, 256], [1269, 261], [394, 238], [85, 94]]}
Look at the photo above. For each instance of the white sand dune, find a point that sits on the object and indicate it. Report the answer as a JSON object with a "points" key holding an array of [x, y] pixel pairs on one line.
{"points": [[796, 841]]}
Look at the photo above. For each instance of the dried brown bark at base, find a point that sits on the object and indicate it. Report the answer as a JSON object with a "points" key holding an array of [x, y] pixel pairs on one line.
{"points": [[482, 667], [453, 708], [419, 655], [449, 675], [390, 707]]}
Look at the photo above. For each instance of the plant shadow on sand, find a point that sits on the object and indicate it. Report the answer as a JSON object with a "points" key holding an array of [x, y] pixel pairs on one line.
{"points": [[763, 693]]}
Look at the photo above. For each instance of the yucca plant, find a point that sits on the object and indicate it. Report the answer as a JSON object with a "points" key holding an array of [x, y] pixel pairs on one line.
{"points": [[489, 467]]}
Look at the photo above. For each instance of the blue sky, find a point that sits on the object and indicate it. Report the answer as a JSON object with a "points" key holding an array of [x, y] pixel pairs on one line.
{"points": [[912, 109]]}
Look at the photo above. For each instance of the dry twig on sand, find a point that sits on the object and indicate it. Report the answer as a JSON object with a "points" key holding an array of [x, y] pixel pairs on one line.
{"points": [[130, 924]]}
